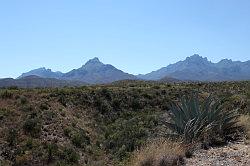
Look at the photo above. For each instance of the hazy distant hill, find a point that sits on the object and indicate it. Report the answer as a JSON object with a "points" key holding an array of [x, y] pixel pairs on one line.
{"points": [[95, 71], [42, 72], [35, 81], [199, 68]]}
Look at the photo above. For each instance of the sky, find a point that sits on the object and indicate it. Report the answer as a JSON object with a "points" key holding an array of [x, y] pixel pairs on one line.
{"points": [[136, 36]]}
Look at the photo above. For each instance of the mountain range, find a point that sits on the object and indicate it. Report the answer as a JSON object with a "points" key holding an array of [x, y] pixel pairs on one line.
{"points": [[197, 68], [193, 68], [93, 72]]}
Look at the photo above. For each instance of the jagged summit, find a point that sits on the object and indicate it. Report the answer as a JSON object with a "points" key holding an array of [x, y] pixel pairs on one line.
{"points": [[92, 64], [93, 61], [94, 71], [196, 58], [225, 61]]}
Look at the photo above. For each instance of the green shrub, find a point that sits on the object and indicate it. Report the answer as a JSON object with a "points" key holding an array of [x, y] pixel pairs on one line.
{"points": [[103, 106], [126, 135], [23, 100], [52, 150], [6, 94], [62, 99], [32, 126], [248, 94], [29, 143], [106, 93], [4, 113], [136, 104], [206, 121], [44, 106], [26, 108], [12, 136], [67, 131], [80, 139], [70, 155], [116, 104]]}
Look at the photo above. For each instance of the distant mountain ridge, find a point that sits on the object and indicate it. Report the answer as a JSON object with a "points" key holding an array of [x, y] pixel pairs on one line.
{"points": [[93, 72], [43, 73], [193, 68], [198, 68]]}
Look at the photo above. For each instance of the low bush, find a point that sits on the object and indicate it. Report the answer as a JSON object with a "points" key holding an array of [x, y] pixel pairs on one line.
{"points": [[62, 99], [80, 139], [126, 135], [23, 100], [103, 106], [29, 143], [52, 151], [4, 113], [12, 136], [32, 126], [67, 131], [6, 94], [70, 155], [26, 108], [44, 106]]}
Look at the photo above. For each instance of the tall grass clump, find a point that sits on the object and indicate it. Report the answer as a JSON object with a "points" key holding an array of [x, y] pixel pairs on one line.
{"points": [[161, 152], [244, 121], [206, 121]]}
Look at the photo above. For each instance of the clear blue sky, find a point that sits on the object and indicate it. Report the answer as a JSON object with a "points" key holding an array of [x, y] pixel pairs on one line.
{"points": [[136, 36]]}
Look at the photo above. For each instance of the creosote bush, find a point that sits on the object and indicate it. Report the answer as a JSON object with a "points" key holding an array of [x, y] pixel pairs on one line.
{"points": [[32, 126], [206, 121]]}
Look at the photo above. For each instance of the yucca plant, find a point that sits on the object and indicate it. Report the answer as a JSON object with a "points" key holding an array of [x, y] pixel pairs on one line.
{"points": [[193, 120]]}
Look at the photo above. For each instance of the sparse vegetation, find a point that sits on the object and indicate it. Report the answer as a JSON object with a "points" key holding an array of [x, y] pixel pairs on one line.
{"points": [[115, 124]]}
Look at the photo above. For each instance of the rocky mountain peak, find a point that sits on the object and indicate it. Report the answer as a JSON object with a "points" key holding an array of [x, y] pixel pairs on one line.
{"points": [[196, 57], [94, 61]]}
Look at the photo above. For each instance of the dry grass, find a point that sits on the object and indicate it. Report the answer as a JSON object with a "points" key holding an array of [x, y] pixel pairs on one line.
{"points": [[244, 121], [159, 153]]}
